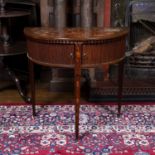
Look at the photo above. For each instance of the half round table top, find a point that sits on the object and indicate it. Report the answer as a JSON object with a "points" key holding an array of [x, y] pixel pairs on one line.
{"points": [[74, 34]]}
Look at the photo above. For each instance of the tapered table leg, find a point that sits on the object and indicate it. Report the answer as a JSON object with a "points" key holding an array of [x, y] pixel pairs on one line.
{"points": [[120, 84], [32, 86], [77, 77]]}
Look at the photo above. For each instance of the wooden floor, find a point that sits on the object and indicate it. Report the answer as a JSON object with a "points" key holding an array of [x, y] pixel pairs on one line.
{"points": [[9, 94]]}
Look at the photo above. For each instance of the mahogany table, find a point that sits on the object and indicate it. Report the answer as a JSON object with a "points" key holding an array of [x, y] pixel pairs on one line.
{"points": [[13, 48], [75, 48]]}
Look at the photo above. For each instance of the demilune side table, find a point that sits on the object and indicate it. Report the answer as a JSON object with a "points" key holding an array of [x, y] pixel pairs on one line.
{"points": [[76, 48]]}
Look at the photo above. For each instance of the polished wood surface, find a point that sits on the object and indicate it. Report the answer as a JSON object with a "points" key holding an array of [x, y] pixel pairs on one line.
{"points": [[75, 34], [13, 13], [75, 48]]}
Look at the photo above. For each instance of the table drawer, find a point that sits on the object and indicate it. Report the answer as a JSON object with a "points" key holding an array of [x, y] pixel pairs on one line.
{"points": [[108, 52], [52, 54]]}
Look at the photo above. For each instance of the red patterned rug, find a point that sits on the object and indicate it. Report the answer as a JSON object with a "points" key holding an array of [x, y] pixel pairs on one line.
{"points": [[51, 132]]}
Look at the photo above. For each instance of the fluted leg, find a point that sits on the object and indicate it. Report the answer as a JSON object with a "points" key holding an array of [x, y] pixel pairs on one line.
{"points": [[120, 84], [77, 77], [32, 86]]}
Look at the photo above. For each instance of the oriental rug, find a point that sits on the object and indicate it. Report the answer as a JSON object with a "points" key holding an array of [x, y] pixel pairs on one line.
{"points": [[52, 131]]}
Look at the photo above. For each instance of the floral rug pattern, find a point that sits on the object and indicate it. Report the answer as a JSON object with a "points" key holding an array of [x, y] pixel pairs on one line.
{"points": [[52, 132]]}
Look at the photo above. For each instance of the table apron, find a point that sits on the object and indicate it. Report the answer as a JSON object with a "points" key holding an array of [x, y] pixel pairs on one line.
{"points": [[63, 55]]}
